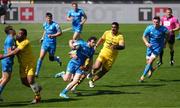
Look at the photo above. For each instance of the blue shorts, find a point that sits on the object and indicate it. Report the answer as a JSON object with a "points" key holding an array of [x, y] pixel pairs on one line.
{"points": [[6, 66], [49, 47], [77, 28], [155, 51], [74, 68]]}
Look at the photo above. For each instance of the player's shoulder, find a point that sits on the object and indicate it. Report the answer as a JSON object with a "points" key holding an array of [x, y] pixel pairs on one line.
{"points": [[174, 18], [81, 41], [24, 42], [80, 9], [163, 27], [44, 24], [71, 11], [120, 34], [55, 23], [151, 26], [107, 31], [9, 37]]}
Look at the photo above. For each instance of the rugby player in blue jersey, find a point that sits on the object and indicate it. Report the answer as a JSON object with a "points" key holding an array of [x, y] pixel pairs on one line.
{"points": [[51, 31], [78, 18], [7, 63], [154, 38], [75, 68]]}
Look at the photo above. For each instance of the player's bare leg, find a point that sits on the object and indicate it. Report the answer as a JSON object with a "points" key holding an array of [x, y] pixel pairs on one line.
{"points": [[76, 35]]}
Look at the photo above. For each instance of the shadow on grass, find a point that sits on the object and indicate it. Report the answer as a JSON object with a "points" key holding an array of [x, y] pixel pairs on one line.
{"points": [[166, 80], [27, 103], [14, 104], [104, 92], [169, 67], [111, 92], [135, 85], [58, 100]]}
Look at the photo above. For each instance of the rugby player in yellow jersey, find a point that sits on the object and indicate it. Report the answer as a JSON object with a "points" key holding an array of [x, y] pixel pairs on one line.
{"points": [[113, 42], [27, 63]]}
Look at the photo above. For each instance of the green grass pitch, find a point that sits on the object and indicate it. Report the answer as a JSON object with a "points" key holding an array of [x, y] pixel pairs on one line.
{"points": [[117, 89]]}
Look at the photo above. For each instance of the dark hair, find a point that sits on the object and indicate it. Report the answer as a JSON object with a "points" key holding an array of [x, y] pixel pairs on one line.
{"points": [[115, 23], [92, 38], [48, 14], [169, 9], [24, 31], [157, 18], [74, 3], [7, 29]]}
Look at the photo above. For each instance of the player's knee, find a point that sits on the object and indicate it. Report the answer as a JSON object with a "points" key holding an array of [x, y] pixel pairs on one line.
{"points": [[31, 81], [6, 79], [66, 79], [51, 58], [96, 67]]}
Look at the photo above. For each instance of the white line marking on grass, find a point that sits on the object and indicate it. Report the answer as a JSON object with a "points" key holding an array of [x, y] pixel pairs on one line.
{"points": [[66, 29]]}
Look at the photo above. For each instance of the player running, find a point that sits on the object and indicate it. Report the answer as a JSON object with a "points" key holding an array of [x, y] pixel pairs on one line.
{"points": [[78, 18], [75, 68], [113, 42], [51, 31], [154, 38]]}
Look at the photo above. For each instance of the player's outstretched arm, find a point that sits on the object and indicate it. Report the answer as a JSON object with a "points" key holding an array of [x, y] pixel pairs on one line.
{"points": [[13, 52], [99, 42]]}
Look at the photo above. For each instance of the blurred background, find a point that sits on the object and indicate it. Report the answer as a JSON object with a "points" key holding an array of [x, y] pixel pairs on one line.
{"points": [[103, 1], [98, 11]]}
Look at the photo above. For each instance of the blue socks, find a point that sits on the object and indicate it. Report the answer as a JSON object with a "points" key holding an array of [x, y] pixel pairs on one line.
{"points": [[64, 91], [39, 63], [147, 68]]}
